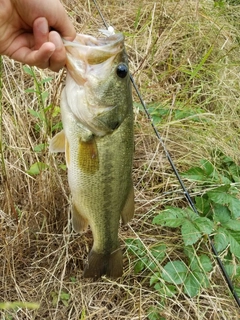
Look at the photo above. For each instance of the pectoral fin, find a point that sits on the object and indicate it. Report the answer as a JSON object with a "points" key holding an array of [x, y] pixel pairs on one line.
{"points": [[128, 210], [57, 143], [79, 222]]}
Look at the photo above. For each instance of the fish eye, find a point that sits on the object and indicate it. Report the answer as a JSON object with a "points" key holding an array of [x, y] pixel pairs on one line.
{"points": [[122, 70]]}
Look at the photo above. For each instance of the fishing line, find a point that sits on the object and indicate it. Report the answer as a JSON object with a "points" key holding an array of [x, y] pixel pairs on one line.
{"points": [[185, 191]]}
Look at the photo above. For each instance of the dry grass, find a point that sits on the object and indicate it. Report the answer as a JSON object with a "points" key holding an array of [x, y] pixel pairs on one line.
{"points": [[41, 258]]}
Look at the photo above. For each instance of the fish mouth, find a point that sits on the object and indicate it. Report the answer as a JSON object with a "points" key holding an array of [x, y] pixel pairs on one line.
{"points": [[94, 50], [87, 51]]}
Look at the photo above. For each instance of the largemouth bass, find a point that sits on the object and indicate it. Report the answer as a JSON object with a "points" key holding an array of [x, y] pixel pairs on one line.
{"points": [[97, 137]]}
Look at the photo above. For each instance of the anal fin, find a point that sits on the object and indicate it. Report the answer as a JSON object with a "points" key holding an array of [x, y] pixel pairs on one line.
{"points": [[128, 209], [100, 264], [79, 222]]}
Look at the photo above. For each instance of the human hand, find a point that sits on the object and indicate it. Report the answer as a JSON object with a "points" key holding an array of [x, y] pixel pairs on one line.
{"points": [[25, 34]]}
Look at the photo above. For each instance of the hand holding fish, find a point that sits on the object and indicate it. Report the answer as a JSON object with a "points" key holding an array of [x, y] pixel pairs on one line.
{"points": [[25, 34]]}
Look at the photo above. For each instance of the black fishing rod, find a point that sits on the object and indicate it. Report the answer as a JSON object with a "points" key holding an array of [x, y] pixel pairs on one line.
{"points": [[185, 191]]}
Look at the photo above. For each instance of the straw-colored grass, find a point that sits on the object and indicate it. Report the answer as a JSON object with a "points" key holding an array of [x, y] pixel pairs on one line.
{"points": [[184, 56]]}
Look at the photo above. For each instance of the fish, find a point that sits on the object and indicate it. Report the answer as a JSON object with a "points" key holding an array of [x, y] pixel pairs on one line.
{"points": [[98, 141]]}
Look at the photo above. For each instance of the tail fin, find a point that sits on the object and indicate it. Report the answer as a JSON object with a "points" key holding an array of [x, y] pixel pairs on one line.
{"points": [[100, 264]]}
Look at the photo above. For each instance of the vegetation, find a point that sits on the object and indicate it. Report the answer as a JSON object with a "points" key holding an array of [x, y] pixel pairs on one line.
{"points": [[185, 59]]}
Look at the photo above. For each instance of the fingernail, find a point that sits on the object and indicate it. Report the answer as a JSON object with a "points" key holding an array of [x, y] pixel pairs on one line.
{"points": [[56, 39]]}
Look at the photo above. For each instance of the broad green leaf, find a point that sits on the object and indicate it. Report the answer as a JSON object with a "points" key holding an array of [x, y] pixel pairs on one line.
{"points": [[45, 80], [234, 240], [150, 263], [225, 180], [54, 298], [48, 107], [135, 247], [44, 95], [157, 112], [139, 266], [208, 167], [36, 114], [237, 270], [158, 287], [28, 70], [220, 240], [155, 119], [204, 225], [233, 225], [151, 259], [36, 168], [169, 290], [154, 314], [191, 285], [190, 252], [237, 290], [158, 251], [220, 195], [194, 262], [205, 263], [63, 167], [171, 217], [190, 233], [65, 302], [203, 204], [64, 295], [234, 170], [56, 111], [185, 113], [40, 147], [190, 214], [234, 206], [227, 199], [230, 268], [221, 213], [195, 173], [155, 278], [175, 272], [201, 264], [73, 279], [202, 278], [57, 127]]}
